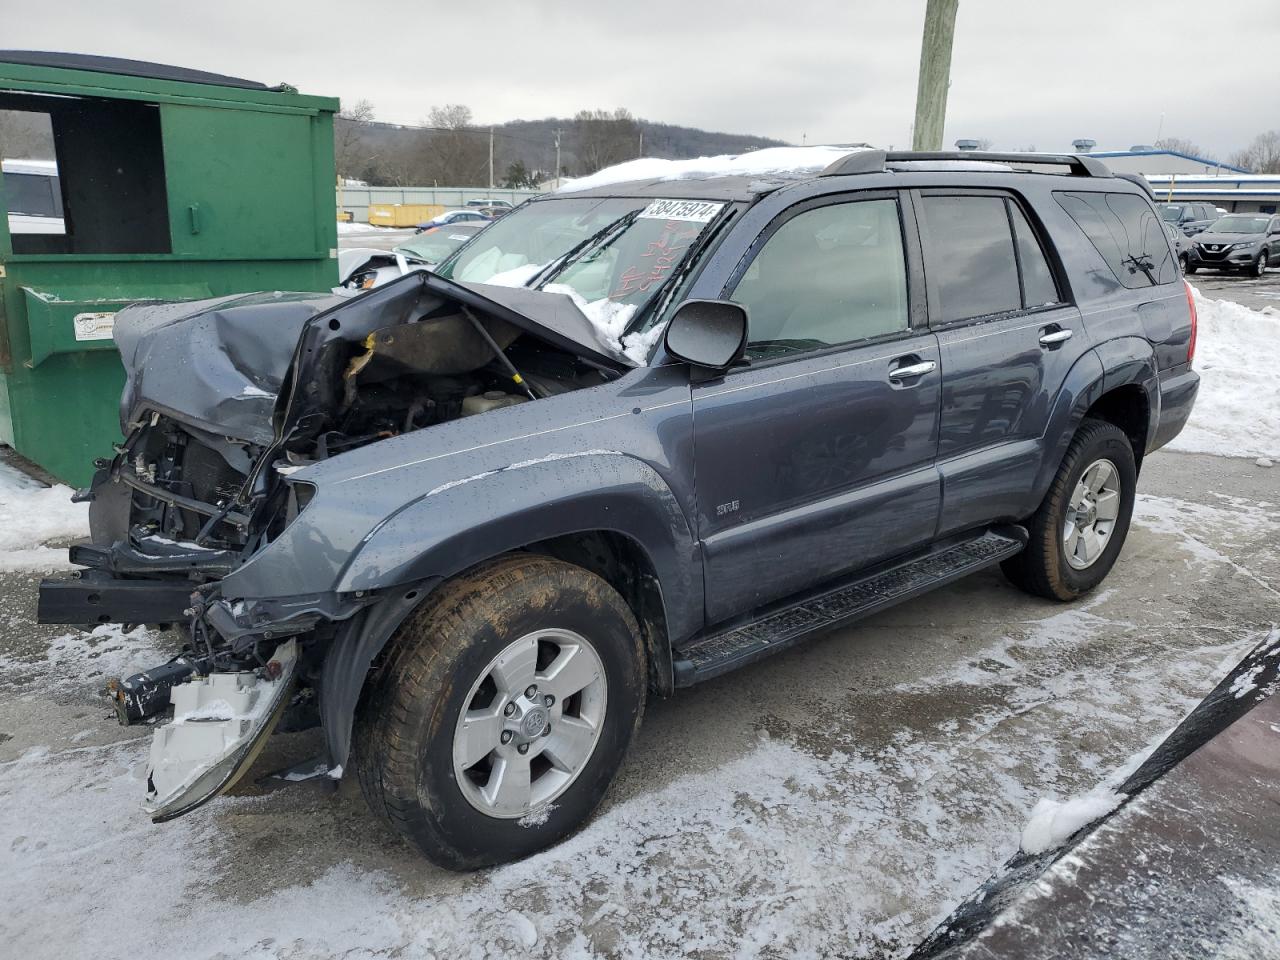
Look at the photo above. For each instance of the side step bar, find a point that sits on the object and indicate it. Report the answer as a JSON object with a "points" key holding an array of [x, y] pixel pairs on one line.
{"points": [[718, 653]]}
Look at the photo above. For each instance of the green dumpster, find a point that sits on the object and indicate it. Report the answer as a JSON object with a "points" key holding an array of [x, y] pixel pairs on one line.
{"points": [[164, 184]]}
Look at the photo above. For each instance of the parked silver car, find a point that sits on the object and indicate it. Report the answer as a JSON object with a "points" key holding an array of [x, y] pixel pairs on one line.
{"points": [[1248, 242]]}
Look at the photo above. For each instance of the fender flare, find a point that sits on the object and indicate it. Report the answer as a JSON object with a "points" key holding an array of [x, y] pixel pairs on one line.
{"points": [[459, 524], [1109, 365]]}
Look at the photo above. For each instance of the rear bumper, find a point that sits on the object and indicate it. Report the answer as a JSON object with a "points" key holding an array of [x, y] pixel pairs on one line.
{"points": [[1178, 389]]}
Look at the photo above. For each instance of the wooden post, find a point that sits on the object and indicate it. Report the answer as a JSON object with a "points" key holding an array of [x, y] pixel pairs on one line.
{"points": [[935, 74]]}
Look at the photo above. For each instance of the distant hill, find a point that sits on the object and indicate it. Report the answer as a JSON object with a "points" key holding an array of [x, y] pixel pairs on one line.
{"points": [[392, 155]]}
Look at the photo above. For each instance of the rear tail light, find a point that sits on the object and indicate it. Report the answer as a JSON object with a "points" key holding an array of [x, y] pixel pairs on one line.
{"points": [[1191, 304]]}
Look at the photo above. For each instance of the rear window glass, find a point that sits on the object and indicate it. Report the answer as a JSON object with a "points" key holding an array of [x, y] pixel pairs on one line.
{"points": [[1127, 233], [971, 256]]}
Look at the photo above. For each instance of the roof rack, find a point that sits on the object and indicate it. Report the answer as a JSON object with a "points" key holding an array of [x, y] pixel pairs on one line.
{"points": [[876, 161]]}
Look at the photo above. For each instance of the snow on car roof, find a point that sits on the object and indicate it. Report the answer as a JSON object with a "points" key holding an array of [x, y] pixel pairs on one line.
{"points": [[785, 162]]}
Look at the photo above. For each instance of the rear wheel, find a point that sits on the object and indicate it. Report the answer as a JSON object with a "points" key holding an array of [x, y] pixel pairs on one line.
{"points": [[1080, 528], [501, 711]]}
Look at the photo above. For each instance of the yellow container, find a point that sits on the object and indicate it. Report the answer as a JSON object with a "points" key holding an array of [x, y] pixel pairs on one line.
{"points": [[403, 214]]}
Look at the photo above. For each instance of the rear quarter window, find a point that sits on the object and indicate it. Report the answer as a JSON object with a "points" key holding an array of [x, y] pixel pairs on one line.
{"points": [[1126, 231]]}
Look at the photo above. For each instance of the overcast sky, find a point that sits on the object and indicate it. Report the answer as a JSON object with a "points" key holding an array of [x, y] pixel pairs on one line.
{"points": [[1024, 72]]}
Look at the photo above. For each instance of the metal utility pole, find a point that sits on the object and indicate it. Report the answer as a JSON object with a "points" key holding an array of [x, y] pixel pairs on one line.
{"points": [[935, 74], [641, 153], [557, 171], [491, 158]]}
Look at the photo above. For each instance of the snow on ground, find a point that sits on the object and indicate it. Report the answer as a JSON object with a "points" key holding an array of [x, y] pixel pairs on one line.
{"points": [[852, 831], [31, 513], [757, 163], [1237, 412], [347, 228]]}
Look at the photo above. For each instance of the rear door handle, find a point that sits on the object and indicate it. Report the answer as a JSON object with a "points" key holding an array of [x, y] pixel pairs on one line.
{"points": [[1054, 337], [912, 370]]}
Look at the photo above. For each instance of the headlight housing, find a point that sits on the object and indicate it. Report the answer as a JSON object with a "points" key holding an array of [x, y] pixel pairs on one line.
{"points": [[1243, 244]]}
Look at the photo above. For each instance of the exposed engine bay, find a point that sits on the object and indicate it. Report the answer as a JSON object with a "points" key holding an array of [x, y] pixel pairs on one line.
{"points": [[192, 481]]}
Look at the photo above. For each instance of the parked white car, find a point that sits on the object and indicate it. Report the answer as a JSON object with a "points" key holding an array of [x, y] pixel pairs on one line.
{"points": [[32, 196]]}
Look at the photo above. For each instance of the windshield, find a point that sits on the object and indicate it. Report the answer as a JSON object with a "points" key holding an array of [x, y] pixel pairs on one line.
{"points": [[434, 245], [610, 254], [1240, 225], [1171, 211]]}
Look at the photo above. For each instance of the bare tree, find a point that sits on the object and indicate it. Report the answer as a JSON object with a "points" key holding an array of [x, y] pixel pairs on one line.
{"points": [[349, 153], [1183, 145], [1262, 155], [983, 144], [457, 153], [602, 139]]}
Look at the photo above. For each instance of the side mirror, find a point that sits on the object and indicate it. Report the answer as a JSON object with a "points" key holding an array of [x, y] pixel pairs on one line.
{"points": [[708, 333]]}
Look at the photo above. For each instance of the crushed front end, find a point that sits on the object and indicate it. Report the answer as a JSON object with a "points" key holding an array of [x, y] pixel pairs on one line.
{"points": [[195, 522]]}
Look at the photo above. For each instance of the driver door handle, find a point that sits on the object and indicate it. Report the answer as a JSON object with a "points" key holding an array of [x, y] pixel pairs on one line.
{"points": [[912, 370], [1054, 336]]}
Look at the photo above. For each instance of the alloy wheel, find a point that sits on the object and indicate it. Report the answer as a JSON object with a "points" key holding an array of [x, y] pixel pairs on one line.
{"points": [[530, 723], [1091, 514]]}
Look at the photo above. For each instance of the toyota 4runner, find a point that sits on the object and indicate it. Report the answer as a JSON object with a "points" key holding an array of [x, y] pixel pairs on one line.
{"points": [[626, 439]]}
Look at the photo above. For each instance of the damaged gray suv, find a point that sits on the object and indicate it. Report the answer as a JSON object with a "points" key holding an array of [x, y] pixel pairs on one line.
{"points": [[627, 439]]}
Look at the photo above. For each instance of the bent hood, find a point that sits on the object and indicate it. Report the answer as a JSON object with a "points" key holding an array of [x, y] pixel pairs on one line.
{"points": [[215, 364], [220, 365]]}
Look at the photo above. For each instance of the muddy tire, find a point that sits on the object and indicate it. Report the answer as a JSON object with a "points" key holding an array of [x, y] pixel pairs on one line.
{"points": [[497, 716], [1080, 527]]}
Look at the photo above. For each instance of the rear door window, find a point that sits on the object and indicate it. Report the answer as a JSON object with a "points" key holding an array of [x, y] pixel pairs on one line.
{"points": [[969, 257], [1125, 230]]}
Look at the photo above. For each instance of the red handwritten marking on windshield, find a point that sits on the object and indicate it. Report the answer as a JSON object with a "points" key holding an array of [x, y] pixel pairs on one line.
{"points": [[662, 255]]}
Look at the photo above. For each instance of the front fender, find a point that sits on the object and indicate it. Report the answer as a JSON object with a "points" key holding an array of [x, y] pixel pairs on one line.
{"points": [[460, 523]]}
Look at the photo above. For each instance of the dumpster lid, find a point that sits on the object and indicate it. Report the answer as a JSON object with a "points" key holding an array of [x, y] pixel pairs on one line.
{"points": [[122, 67]]}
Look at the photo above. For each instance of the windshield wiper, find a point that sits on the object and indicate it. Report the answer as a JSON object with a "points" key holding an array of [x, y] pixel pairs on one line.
{"points": [[575, 253]]}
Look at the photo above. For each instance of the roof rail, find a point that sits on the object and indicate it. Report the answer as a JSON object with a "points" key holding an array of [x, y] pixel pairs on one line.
{"points": [[875, 161]]}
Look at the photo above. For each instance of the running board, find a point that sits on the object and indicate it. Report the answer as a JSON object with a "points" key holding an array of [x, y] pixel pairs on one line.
{"points": [[718, 653]]}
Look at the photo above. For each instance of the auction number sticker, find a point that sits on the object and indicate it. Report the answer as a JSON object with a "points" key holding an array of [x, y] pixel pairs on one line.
{"points": [[694, 211], [94, 326]]}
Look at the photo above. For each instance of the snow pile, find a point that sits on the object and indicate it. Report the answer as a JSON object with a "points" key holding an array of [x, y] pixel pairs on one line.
{"points": [[30, 514], [757, 163], [1054, 821], [1237, 412], [345, 228], [610, 319]]}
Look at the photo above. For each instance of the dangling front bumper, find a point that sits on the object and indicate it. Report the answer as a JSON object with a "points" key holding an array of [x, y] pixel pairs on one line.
{"points": [[220, 724]]}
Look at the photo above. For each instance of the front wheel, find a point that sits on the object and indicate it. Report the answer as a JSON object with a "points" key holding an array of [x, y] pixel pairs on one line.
{"points": [[501, 711], [1190, 268], [1078, 531], [1185, 263], [1260, 267]]}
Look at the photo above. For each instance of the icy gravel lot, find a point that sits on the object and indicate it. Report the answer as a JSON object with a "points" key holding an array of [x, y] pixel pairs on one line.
{"points": [[835, 801]]}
